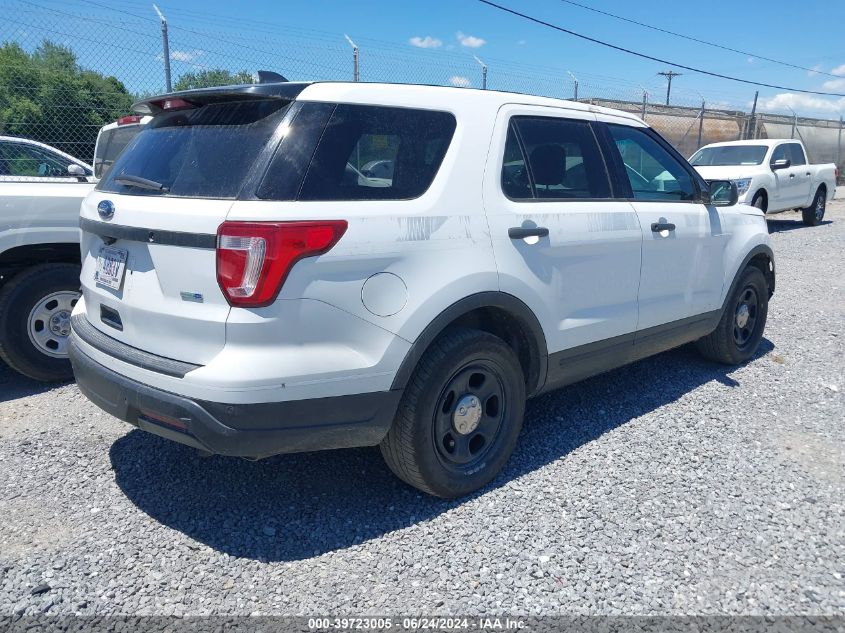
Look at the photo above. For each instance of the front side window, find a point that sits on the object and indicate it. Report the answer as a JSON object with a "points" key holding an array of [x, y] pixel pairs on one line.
{"points": [[28, 161], [796, 154], [781, 153], [553, 159], [653, 172]]}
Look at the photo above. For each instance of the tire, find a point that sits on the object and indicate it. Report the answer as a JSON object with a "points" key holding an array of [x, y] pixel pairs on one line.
{"points": [[759, 201], [430, 445], [814, 214], [29, 343], [738, 334]]}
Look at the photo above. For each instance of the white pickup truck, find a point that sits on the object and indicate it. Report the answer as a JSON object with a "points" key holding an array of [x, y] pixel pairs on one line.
{"points": [[771, 174], [41, 190]]}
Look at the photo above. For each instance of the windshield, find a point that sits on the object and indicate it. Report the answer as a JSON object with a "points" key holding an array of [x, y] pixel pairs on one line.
{"points": [[203, 152], [725, 155]]}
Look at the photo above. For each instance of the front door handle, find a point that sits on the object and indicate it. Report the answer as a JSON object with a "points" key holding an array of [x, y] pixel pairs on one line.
{"points": [[662, 226], [519, 232], [792, 175]]}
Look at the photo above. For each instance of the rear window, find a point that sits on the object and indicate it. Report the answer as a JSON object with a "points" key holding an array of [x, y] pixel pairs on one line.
{"points": [[357, 152], [204, 152], [109, 146]]}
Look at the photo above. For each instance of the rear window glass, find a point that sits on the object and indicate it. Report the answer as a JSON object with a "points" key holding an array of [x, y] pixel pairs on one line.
{"points": [[204, 152], [359, 152], [109, 146]]}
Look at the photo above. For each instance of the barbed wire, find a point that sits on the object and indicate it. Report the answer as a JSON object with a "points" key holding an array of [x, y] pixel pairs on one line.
{"points": [[117, 57]]}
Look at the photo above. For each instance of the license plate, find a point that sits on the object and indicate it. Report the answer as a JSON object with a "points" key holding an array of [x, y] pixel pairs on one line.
{"points": [[111, 266]]}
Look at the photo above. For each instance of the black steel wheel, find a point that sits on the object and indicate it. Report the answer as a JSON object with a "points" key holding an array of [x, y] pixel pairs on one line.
{"points": [[736, 338], [460, 415], [745, 316]]}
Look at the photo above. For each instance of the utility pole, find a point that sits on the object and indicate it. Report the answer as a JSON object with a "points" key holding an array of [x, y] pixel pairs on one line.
{"points": [[356, 76], [165, 44], [839, 143], [483, 73], [701, 124], [575, 80], [669, 74], [645, 103], [752, 122]]}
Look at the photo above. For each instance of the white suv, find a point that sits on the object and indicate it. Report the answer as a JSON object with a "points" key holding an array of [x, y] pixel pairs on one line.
{"points": [[253, 285]]}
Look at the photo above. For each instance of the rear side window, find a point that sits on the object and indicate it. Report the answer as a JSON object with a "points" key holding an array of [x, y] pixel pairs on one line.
{"points": [[203, 152], [357, 152], [551, 158]]}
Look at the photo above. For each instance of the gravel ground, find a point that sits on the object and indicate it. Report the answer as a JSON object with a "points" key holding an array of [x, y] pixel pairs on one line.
{"points": [[670, 486]]}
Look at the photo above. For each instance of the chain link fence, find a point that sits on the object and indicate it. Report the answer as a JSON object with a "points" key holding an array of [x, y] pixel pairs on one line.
{"points": [[67, 67]]}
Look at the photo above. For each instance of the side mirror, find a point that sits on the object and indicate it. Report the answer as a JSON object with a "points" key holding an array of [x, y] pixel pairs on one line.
{"points": [[783, 163], [75, 170], [723, 193]]}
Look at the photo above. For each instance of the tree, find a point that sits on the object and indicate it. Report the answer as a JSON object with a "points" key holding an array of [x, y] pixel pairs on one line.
{"points": [[46, 96], [211, 78]]}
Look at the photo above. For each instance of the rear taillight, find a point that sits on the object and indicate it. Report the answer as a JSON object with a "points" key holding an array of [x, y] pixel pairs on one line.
{"points": [[254, 258], [126, 120]]}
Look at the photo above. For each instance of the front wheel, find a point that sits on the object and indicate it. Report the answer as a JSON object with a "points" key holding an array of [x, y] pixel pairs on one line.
{"points": [[35, 308], [460, 415], [814, 214], [740, 329]]}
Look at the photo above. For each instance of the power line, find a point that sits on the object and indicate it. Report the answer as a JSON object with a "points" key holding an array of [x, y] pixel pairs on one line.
{"points": [[695, 39], [652, 58]]}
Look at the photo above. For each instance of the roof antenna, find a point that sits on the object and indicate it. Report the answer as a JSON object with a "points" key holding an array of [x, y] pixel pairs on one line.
{"points": [[269, 77]]}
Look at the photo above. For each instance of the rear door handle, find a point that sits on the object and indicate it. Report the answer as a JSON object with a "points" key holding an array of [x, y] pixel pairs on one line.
{"points": [[792, 175], [519, 232], [662, 226]]}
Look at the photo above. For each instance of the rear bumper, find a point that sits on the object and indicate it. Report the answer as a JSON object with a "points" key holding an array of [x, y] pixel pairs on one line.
{"points": [[244, 430]]}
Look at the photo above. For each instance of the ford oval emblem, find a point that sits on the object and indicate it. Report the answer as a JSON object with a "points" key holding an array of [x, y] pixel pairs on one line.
{"points": [[106, 209]]}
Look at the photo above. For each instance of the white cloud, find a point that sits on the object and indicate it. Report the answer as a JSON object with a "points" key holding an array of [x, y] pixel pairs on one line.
{"points": [[839, 70], [425, 42], [834, 84], [470, 41], [802, 104], [185, 56], [459, 82], [814, 70]]}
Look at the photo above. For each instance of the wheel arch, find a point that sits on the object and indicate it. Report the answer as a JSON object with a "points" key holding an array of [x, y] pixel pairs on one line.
{"points": [[497, 313], [762, 191], [761, 257]]}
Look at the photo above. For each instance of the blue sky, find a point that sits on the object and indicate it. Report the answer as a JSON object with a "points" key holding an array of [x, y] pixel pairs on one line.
{"points": [[435, 41]]}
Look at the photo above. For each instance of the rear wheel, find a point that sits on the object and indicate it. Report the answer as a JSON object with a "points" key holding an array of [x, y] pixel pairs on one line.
{"points": [[740, 329], [35, 309], [460, 416], [814, 214]]}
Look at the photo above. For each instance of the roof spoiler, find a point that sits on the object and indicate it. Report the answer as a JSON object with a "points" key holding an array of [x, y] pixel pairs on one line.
{"points": [[268, 87]]}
